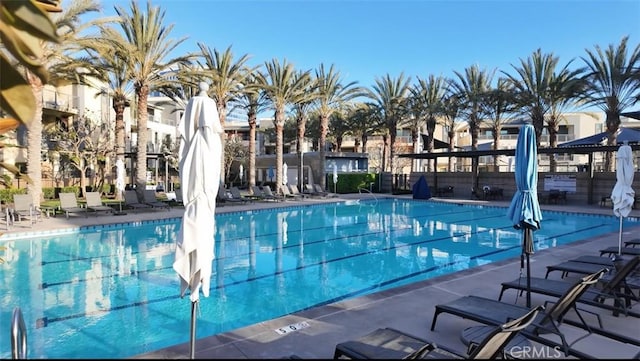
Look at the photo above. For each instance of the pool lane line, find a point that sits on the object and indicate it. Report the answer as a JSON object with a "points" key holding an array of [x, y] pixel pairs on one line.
{"points": [[139, 273], [44, 321]]}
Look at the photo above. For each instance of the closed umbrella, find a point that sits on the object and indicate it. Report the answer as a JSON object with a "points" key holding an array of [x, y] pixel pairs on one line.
{"points": [[120, 181], [623, 195], [285, 179], [200, 159], [524, 210]]}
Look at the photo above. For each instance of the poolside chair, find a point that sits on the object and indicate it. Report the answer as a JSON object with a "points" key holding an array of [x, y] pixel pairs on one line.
{"points": [[23, 208], [225, 196], [260, 195], [150, 199], [69, 204], [286, 193], [235, 194], [578, 267], [311, 191], [633, 251], [614, 287], [391, 344], [94, 203], [632, 243], [319, 191], [7, 216], [296, 192], [131, 201], [268, 194], [494, 312]]}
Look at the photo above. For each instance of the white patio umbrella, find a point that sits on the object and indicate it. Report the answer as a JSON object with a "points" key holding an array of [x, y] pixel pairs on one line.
{"points": [[200, 159], [120, 173], [623, 195], [285, 179]]}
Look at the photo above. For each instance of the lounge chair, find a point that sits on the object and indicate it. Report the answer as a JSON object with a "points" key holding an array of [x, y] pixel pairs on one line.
{"points": [[633, 251], [389, 343], [575, 267], [311, 191], [296, 192], [319, 191], [268, 194], [150, 199], [69, 205], [286, 193], [131, 201], [259, 194], [94, 203], [632, 243], [494, 312], [23, 208], [226, 196], [7, 216], [613, 287], [235, 194]]}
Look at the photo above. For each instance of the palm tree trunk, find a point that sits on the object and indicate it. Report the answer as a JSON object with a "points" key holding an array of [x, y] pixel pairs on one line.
{"points": [[119, 106], [252, 149], [141, 148], [279, 124], [34, 142], [322, 141]]}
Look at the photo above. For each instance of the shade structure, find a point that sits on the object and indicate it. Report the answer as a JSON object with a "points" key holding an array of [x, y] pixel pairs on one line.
{"points": [[524, 210], [622, 195], [199, 166], [624, 135]]}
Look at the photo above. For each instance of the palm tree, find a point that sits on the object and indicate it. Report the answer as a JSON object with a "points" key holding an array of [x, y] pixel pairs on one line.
{"points": [[613, 85], [282, 87], [253, 100], [450, 109], [301, 110], [426, 99], [471, 87], [390, 96], [332, 94], [499, 105], [110, 68], [564, 89], [228, 76], [57, 58], [531, 84], [145, 46]]}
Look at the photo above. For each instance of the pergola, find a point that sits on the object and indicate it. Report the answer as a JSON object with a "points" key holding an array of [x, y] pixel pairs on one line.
{"points": [[475, 154]]}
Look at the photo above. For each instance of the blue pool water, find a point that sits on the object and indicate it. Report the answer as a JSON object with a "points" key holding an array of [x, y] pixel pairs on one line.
{"points": [[111, 292]]}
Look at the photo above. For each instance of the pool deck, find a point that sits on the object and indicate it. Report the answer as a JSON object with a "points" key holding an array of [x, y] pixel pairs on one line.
{"points": [[409, 308]]}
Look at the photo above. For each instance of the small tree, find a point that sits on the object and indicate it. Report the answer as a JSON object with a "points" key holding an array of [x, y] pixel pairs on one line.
{"points": [[85, 142]]}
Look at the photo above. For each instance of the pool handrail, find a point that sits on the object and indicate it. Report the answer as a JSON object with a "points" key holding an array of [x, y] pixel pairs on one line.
{"points": [[18, 335]]}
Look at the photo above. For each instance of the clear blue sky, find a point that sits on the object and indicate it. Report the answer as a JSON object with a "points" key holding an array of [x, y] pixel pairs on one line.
{"points": [[369, 39]]}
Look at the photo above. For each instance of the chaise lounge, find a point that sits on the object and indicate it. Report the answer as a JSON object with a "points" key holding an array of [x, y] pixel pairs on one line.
{"points": [[493, 312], [614, 288], [389, 343]]}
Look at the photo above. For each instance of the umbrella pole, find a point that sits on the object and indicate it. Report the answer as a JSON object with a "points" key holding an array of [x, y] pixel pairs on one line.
{"points": [[192, 348], [528, 282], [620, 238]]}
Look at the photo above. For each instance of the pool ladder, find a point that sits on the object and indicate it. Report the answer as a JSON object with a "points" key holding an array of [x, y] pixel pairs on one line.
{"points": [[360, 190], [18, 335]]}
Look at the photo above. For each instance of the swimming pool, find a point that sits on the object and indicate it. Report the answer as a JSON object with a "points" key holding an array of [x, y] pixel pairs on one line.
{"points": [[111, 292]]}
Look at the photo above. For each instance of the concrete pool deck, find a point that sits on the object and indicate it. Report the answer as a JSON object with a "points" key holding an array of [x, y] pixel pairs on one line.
{"points": [[409, 308]]}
